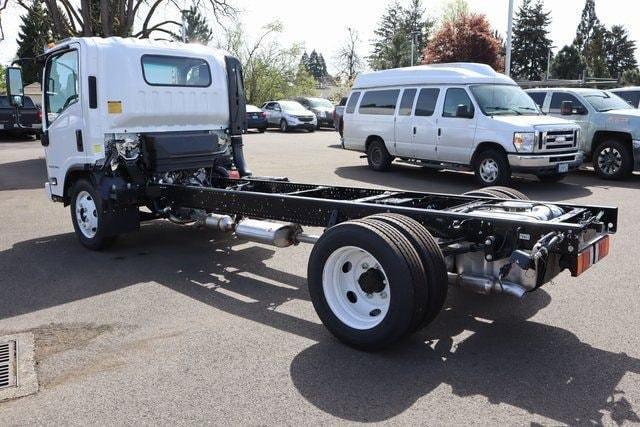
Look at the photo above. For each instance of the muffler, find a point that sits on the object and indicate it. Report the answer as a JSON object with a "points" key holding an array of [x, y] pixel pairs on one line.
{"points": [[271, 233], [485, 285]]}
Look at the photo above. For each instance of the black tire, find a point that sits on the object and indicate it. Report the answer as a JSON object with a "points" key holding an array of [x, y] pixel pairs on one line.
{"points": [[99, 240], [378, 157], [605, 158], [551, 178], [340, 127], [498, 193], [284, 126], [262, 130], [404, 273], [431, 296], [500, 162]]}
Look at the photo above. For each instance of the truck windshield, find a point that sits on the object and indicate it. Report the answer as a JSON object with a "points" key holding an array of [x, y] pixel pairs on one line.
{"points": [[606, 101], [320, 102], [504, 100], [292, 107]]}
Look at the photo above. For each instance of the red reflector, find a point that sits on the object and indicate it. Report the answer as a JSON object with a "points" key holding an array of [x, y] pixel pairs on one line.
{"points": [[603, 248], [234, 174]]}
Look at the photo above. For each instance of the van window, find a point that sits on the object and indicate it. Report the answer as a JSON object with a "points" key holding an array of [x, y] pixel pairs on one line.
{"points": [[456, 96], [353, 101], [427, 100], [538, 97], [162, 70], [406, 103], [558, 97], [380, 102]]}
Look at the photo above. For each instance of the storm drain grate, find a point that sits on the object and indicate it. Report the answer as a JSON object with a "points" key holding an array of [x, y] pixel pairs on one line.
{"points": [[8, 364]]}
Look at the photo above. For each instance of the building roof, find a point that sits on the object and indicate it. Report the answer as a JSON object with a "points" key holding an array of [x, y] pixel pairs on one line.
{"points": [[452, 73]]}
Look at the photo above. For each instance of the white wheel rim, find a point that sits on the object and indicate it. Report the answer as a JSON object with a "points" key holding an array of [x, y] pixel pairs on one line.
{"points": [[347, 300], [610, 160], [489, 170], [86, 214]]}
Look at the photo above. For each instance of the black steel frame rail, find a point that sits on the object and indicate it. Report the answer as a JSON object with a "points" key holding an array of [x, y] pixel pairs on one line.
{"points": [[321, 205]]}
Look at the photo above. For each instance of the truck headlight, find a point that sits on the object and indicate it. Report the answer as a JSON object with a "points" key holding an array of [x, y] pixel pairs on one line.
{"points": [[524, 141]]}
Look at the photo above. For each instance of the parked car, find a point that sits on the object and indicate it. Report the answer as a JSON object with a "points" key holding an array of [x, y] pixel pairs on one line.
{"points": [[287, 115], [338, 112], [26, 120], [256, 118], [322, 108], [457, 116], [610, 134], [630, 94]]}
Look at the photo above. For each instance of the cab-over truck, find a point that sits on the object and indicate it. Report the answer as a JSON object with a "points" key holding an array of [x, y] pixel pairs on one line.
{"points": [[138, 130]]}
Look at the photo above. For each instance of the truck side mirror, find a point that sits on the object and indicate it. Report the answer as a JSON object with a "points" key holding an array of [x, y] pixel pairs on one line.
{"points": [[463, 111], [566, 108], [15, 88]]}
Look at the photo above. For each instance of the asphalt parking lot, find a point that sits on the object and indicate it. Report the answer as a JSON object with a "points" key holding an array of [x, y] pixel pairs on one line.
{"points": [[179, 325]]}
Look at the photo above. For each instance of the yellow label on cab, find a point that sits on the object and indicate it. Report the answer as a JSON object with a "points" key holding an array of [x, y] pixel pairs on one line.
{"points": [[114, 107]]}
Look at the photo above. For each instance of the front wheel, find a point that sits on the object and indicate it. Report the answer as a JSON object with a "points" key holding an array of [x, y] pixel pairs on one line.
{"points": [[613, 160], [492, 168], [284, 126], [87, 216]]}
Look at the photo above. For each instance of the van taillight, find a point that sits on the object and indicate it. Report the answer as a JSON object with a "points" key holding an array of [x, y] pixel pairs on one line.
{"points": [[39, 115]]}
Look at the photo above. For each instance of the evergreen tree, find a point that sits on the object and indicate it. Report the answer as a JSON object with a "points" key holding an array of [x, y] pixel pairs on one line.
{"points": [[397, 26], [197, 29], [596, 54], [588, 24], [304, 61], [620, 51], [567, 64], [36, 31], [314, 65], [630, 77], [530, 47], [322, 66]]}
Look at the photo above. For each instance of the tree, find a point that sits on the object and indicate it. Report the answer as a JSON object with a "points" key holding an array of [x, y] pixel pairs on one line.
{"points": [[630, 77], [2, 79], [36, 31], [467, 38], [588, 23], [271, 71], [454, 9], [349, 62], [397, 27], [620, 51], [595, 54], [196, 30], [567, 64], [106, 18], [530, 47]]}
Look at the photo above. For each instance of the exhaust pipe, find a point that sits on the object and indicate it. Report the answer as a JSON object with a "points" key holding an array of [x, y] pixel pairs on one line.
{"points": [[485, 285], [276, 234]]}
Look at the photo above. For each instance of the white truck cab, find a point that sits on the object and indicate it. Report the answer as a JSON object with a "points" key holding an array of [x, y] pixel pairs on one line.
{"points": [[463, 116]]}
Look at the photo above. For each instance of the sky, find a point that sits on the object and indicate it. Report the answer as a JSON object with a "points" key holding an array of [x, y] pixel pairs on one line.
{"points": [[321, 25]]}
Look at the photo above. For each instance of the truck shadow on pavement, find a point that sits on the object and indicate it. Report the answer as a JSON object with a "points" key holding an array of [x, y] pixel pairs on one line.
{"points": [[23, 174], [415, 178], [476, 347]]}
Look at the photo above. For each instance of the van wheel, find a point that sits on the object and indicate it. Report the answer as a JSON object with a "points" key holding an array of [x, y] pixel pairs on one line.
{"points": [[284, 126], [87, 216], [492, 168], [378, 157], [613, 160]]}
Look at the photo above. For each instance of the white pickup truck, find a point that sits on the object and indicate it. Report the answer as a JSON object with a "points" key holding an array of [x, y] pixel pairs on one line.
{"points": [[457, 116]]}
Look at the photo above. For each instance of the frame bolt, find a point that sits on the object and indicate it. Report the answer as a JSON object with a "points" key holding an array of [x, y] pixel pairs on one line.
{"points": [[488, 257]]}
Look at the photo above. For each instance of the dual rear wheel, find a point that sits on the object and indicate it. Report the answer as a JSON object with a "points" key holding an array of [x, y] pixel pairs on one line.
{"points": [[375, 280]]}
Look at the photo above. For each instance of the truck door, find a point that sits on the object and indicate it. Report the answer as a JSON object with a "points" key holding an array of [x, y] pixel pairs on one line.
{"points": [[403, 125], [580, 114], [424, 124], [63, 116], [456, 127]]}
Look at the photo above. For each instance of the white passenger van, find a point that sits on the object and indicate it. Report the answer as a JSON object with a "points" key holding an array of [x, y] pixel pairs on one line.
{"points": [[457, 116]]}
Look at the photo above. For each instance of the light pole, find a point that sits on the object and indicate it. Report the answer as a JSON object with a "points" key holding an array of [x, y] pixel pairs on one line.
{"points": [[507, 60], [549, 60], [183, 28], [414, 34]]}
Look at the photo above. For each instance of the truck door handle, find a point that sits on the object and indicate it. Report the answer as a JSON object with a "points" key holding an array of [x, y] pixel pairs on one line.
{"points": [[414, 130], [439, 131]]}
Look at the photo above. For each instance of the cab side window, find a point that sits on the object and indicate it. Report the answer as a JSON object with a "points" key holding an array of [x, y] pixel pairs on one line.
{"points": [[61, 84], [631, 97], [455, 98], [538, 97], [559, 97]]}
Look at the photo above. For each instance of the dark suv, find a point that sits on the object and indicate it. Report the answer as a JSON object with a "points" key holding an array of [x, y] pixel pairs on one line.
{"points": [[26, 120], [322, 108]]}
